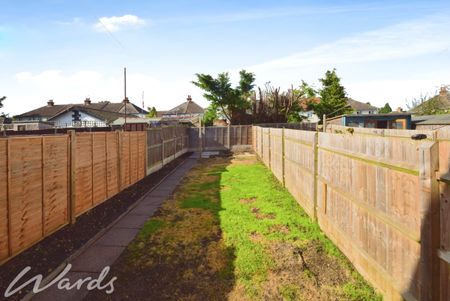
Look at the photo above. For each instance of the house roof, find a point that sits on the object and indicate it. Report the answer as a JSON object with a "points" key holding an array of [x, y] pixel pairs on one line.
{"points": [[360, 106], [443, 119], [121, 120], [187, 107], [51, 111], [438, 102]]}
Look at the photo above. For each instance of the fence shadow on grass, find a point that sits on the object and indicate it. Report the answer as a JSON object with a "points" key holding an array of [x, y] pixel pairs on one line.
{"points": [[180, 253]]}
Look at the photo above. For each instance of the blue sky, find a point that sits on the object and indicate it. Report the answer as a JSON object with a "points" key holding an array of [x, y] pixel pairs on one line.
{"points": [[68, 50]]}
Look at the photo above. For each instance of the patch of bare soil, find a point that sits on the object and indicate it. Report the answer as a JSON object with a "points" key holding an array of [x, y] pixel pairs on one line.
{"points": [[260, 215], [48, 254], [303, 273], [247, 200], [279, 229]]}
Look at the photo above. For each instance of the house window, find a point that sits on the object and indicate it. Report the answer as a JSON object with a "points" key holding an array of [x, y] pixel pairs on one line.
{"points": [[21, 128]]}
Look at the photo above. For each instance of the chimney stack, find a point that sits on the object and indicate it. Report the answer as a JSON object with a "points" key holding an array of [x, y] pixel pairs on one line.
{"points": [[87, 101], [189, 98], [50, 103], [126, 100], [400, 109], [443, 91]]}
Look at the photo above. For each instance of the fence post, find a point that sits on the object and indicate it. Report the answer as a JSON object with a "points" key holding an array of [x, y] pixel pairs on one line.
{"points": [[430, 221], [162, 148], [72, 157], [119, 167], [229, 136], [8, 194], [270, 151], [316, 172], [146, 152], [282, 157]]}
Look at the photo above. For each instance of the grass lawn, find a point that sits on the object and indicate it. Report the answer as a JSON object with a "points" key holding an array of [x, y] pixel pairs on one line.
{"points": [[232, 232]]}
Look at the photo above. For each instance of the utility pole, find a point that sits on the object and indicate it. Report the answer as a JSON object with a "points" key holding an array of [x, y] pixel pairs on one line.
{"points": [[125, 100]]}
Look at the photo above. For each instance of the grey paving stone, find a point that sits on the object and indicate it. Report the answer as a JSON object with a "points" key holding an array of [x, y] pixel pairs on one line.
{"points": [[117, 237], [155, 201], [96, 258], [131, 221], [146, 210]]}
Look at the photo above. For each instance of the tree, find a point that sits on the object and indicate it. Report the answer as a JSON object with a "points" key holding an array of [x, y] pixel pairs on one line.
{"points": [[1, 101], [333, 97], [386, 109], [210, 115], [229, 102], [151, 112]]}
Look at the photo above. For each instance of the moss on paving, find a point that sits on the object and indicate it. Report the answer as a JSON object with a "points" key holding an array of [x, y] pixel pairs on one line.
{"points": [[233, 232]]}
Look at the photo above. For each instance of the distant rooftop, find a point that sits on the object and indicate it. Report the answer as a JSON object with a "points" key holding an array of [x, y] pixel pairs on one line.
{"points": [[187, 107]]}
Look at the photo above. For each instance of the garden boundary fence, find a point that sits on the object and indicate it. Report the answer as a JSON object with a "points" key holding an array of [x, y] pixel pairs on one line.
{"points": [[46, 182], [382, 198]]}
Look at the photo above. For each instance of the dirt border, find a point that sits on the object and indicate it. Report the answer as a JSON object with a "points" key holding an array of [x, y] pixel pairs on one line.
{"points": [[70, 241]]}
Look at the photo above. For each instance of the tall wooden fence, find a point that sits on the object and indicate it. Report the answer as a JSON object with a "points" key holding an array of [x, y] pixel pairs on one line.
{"points": [[220, 137], [376, 197], [164, 145], [47, 181], [443, 137]]}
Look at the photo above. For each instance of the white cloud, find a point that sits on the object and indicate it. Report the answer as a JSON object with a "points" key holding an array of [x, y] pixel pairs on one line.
{"points": [[113, 24], [406, 40]]}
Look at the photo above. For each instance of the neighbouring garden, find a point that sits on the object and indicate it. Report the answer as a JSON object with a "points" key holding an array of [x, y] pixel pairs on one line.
{"points": [[232, 232]]}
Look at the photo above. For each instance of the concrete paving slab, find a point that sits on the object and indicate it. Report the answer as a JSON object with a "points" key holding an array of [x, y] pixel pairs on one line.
{"points": [[146, 210], [131, 222], [117, 237], [96, 258]]}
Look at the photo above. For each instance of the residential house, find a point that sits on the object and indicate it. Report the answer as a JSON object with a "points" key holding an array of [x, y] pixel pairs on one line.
{"points": [[187, 112], [394, 120], [439, 104], [360, 108], [430, 122], [87, 114]]}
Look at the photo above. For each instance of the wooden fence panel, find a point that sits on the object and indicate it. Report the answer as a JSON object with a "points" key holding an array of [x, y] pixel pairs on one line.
{"points": [[99, 168], [4, 246], [55, 183], [266, 146], [443, 136], [112, 164], [369, 203], [300, 167], [216, 138], [277, 153], [25, 192], [142, 145], [83, 173], [134, 151], [125, 160]]}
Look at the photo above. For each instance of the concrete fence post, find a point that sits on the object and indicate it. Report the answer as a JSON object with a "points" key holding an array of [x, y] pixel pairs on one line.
{"points": [[430, 221], [316, 172]]}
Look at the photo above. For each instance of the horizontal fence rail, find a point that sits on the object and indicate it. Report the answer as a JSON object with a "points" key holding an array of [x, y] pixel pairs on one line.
{"points": [[220, 137], [377, 196], [48, 181]]}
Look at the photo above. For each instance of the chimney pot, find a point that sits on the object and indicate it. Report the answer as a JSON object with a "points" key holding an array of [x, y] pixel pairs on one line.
{"points": [[50, 103], [189, 98], [87, 101]]}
